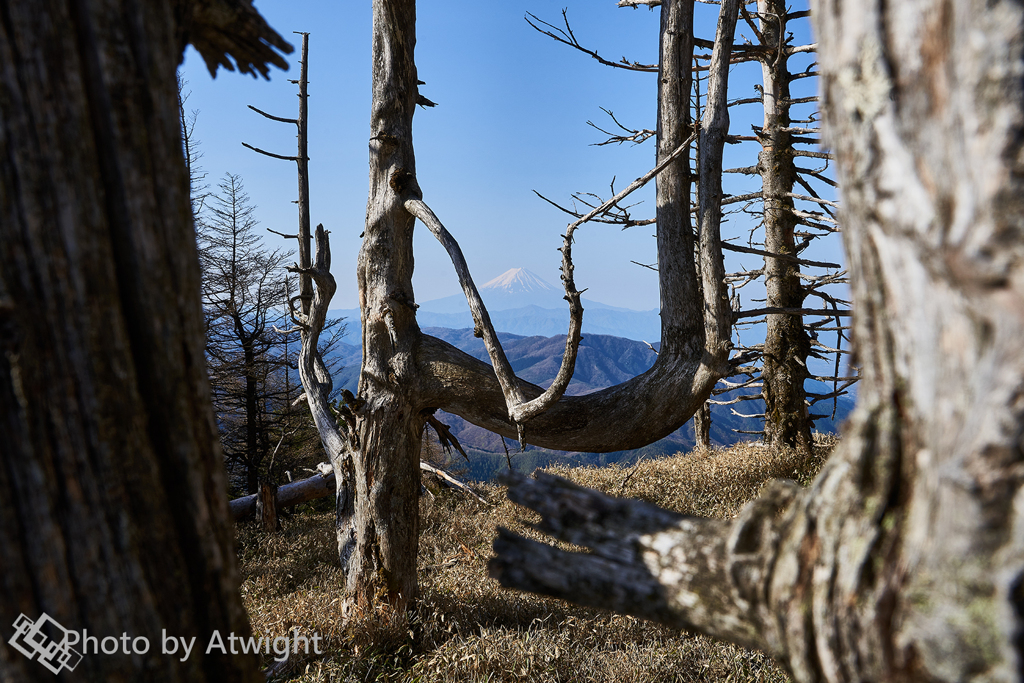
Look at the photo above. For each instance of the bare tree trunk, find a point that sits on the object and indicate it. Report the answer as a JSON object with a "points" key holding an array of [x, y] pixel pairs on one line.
{"points": [[253, 454], [266, 506], [905, 559], [695, 310], [702, 426], [784, 362], [386, 466], [103, 387], [302, 161]]}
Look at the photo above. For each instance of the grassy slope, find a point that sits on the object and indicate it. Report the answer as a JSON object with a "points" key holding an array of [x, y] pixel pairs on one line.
{"points": [[467, 628]]}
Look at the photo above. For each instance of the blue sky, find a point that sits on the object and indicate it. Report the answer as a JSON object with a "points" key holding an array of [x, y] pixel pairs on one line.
{"points": [[511, 118]]}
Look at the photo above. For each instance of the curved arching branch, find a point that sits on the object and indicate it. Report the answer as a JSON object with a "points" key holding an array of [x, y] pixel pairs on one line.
{"points": [[628, 415], [502, 368], [338, 441], [519, 408]]}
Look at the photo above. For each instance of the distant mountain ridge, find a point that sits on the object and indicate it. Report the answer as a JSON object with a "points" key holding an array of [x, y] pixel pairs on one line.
{"points": [[521, 302], [603, 361], [515, 288]]}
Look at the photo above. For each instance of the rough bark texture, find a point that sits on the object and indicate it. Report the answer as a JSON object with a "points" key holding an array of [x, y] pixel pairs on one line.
{"points": [[702, 426], [386, 465], [337, 436], [784, 362], [905, 558], [924, 106], [103, 387], [266, 505]]}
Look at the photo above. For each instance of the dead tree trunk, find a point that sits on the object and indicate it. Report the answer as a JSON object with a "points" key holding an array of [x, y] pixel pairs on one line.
{"points": [[305, 238], [904, 560], [301, 160], [787, 345], [386, 465], [103, 389], [702, 426]]}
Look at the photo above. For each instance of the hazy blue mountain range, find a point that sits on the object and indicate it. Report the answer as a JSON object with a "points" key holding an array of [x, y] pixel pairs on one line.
{"points": [[522, 303], [602, 361]]}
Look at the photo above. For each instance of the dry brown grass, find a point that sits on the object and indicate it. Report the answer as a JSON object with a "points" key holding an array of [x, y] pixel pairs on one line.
{"points": [[466, 627]]}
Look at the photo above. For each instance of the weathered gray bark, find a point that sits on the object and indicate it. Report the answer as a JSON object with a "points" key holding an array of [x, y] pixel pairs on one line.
{"points": [[301, 159], [702, 426], [337, 436], [386, 465], [784, 361], [905, 558], [102, 376]]}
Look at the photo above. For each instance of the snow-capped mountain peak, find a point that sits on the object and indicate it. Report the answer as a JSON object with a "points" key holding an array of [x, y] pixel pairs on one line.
{"points": [[519, 280]]}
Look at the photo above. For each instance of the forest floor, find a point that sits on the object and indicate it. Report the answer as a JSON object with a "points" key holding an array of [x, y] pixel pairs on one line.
{"points": [[466, 627]]}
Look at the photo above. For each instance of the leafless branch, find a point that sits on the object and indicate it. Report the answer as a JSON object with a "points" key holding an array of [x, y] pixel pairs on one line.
{"points": [[567, 37], [519, 409], [817, 200], [634, 136], [445, 436], [270, 154], [272, 117], [635, 185], [291, 237], [783, 257], [791, 311], [452, 481], [809, 153], [813, 47], [816, 174]]}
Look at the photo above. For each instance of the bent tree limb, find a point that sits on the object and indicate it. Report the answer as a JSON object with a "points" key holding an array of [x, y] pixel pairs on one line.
{"points": [[646, 561], [338, 440], [519, 408], [905, 559]]}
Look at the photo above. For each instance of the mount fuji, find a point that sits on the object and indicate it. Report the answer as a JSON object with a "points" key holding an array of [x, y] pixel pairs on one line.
{"points": [[521, 302], [515, 288]]}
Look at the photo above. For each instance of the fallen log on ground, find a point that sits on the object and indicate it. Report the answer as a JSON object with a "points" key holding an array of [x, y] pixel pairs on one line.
{"points": [[322, 484], [319, 485]]}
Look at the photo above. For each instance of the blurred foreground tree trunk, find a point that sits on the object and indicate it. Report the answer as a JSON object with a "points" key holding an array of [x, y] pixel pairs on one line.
{"points": [[905, 558], [103, 389]]}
